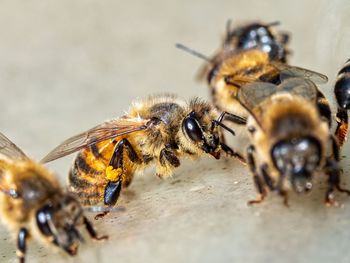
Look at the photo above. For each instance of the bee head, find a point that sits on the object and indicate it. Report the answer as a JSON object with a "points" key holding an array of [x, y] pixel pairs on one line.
{"points": [[260, 36], [57, 222], [297, 159], [199, 130]]}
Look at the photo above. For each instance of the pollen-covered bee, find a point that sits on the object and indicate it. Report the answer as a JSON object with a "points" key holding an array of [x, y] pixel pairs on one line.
{"points": [[32, 204], [158, 130], [290, 141], [342, 94]]}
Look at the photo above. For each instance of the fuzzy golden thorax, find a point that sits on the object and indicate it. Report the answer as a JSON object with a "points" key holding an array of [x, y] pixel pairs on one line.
{"points": [[235, 70], [243, 66]]}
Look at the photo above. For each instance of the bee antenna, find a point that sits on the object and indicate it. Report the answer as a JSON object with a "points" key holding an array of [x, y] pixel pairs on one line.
{"points": [[274, 23], [217, 123], [192, 52], [228, 27]]}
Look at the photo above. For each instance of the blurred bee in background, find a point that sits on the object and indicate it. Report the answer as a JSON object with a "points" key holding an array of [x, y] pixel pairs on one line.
{"points": [[239, 68], [253, 35], [247, 54], [32, 204], [158, 130], [257, 35], [290, 140], [342, 94], [252, 53]]}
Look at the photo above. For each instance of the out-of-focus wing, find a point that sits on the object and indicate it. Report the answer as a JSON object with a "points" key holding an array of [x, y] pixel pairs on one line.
{"points": [[107, 130], [288, 71], [299, 86], [251, 95], [10, 150]]}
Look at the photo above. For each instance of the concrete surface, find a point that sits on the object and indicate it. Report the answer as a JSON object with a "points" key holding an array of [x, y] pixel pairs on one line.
{"points": [[68, 65]]}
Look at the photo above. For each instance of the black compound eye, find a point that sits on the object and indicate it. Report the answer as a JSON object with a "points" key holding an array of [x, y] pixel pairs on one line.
{"points": [[192, 129], [42, 217]]}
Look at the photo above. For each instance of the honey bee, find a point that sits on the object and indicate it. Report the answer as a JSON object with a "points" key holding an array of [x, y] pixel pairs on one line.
{"points": [[250, 53], [158, 130], [253, 35], [290, 141], [239, 68], [342, 94], [32, 204], [257, 35]]}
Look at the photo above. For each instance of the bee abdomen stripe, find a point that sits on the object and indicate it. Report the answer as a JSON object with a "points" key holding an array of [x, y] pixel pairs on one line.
{"points": [[89, 194], [96, 151], [75, 181], [83, 166]]}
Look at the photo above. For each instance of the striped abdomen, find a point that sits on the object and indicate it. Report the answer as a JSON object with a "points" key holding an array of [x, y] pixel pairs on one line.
{"points": [[342, 94], [342, 87], [87, 176]]}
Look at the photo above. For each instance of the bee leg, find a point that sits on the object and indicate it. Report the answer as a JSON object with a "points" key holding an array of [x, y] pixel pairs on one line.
{"points": [[114, 173], [281, 192], [341, 131], [110, 197], [284, 195], [229, 151], [267, 177], [260, 188], [168, 156], [257, 179], [101, 215], [21, 244], [333, 182], [333, 172], [92, 231]]}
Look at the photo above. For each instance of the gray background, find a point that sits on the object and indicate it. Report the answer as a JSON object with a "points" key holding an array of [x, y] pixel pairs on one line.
{"points": [[66, 66]]}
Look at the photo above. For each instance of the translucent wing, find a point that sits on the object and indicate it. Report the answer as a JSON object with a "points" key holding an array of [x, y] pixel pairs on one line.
{"points": [[288, 71], [10, 150], [299, 86], [107, 130], [251, 95]]}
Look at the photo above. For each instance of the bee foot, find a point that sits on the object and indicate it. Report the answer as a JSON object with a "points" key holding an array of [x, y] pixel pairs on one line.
{"points": [[101, 237], [343, 190], [101, 215], [258, 200], [332, 203]]}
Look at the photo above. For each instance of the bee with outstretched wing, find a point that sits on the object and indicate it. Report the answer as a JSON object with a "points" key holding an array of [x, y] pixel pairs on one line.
{"points": [[158, 130]]}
